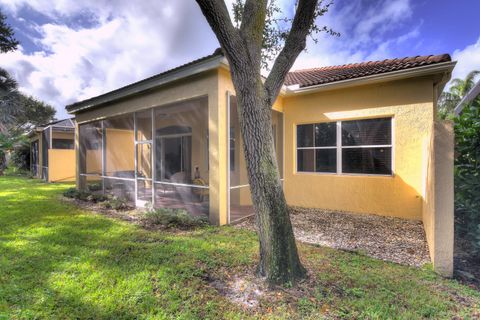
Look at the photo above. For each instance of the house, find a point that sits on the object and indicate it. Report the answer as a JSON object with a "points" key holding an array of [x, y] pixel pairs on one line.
{"points": [[52, 152], [360, 137]]}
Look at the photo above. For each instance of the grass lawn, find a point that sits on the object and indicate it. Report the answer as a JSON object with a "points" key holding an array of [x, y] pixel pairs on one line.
{"points": [[59, 262]]}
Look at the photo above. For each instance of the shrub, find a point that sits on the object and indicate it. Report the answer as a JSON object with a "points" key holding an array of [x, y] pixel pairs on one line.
{"points": [[77, 194], [467, 175], [70, 193], [173, 218], [94, 187], [97, 198], [116, 203]]}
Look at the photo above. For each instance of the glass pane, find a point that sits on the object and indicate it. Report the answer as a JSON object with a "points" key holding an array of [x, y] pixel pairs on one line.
{"points": [[326, 134], [306, 160], [192, 199], [238, 174], [124, 189], [277, 128], [119, 147], [144, 160], [90, 148], [240, 203], [181, 138], [305, 135], [144, 190], [367, 132], [367, 160], [144, 125], [45, 147], [62, 144], [326, 160]]}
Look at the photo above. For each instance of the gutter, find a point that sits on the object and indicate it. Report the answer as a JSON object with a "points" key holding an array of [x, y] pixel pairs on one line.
{"points": [[148, 84], [390, 76]]}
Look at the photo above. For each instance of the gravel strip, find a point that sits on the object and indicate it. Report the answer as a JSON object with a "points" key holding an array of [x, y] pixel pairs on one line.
{"points": [[386, 238]]}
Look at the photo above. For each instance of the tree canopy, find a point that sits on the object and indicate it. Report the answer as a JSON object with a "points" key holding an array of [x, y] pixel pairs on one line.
{"points": [[458, 89], [7, 39]]}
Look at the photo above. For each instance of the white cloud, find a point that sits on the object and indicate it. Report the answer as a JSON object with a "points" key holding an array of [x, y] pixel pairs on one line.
{"points": [[364, 29], [125, 43], [468, 59], [131, 40]]}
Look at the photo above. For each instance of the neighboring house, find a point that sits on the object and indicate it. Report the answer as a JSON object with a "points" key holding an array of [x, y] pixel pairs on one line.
{"points": [[52, 154], [360, 137]]}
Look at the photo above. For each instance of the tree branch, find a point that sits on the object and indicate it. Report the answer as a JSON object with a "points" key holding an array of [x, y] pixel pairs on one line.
{"points": [[294, 45], [251, 29], [216, 13]]}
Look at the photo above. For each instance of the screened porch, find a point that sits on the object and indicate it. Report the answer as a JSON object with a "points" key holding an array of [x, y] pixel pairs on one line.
{"points": [[156, 157]]}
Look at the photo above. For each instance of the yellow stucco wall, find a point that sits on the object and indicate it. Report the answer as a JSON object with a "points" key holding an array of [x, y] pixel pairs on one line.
{"points": [[119, 155], [410, 103], [438, 204], [61, 165]]}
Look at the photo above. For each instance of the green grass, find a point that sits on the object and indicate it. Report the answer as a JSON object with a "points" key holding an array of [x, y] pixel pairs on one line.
{"points": [[59, 262]]}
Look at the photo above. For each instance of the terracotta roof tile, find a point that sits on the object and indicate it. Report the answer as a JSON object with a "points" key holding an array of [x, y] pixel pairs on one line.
{"points": [[316, 76]]}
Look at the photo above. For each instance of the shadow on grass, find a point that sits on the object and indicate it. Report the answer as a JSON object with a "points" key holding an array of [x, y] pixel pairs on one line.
{"points": [[59, 262]]}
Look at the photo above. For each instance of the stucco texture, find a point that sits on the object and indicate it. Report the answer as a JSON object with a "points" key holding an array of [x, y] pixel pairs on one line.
{"points": [[410, 103]]}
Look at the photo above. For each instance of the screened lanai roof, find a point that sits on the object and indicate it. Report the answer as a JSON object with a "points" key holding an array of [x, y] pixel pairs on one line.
{"points": [[64, 125]]}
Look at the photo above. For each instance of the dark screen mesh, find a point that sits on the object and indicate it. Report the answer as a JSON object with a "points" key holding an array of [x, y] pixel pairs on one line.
{"points": [[367, 132]]}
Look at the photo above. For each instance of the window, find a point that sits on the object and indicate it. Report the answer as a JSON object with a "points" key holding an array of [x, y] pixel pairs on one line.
{"points": [[316, 147], [62, 144], [356, 146]]}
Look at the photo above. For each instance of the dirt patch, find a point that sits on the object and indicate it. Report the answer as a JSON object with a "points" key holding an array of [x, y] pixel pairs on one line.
{"points": [[242, 287], [245, 290], [386, 238]]}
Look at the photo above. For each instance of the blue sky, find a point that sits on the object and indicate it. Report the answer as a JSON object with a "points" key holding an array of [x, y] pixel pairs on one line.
{"points": [[72, 50]]}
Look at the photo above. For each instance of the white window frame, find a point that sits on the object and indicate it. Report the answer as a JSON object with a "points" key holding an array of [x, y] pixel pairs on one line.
{"points": [[339, 147]]}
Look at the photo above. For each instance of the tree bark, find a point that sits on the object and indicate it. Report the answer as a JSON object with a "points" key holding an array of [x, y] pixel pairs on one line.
{"points": [[279, 260]]}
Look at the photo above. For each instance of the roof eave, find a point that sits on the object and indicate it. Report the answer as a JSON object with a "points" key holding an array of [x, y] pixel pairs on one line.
{"points": [[190, 70], [438, 68]]}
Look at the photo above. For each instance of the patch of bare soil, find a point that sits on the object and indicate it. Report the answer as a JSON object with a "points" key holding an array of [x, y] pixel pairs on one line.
{"points": [[243, 288], [386, 238]]}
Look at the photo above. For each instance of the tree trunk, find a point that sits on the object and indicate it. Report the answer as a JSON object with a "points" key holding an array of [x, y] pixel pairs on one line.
{"points": [[279, 260]]}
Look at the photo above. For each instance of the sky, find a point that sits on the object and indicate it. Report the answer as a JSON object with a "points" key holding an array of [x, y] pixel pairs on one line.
{"points": [[72, 50]]}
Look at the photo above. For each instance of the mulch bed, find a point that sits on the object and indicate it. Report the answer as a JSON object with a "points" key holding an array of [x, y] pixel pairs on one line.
{"points": [[386, 238]]}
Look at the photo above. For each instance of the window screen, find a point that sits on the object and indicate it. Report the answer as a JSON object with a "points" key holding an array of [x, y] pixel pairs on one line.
{"points": [[62, 144]]}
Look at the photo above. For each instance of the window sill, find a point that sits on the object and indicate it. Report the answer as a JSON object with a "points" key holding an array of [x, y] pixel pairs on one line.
{"points": [[357, 175]]}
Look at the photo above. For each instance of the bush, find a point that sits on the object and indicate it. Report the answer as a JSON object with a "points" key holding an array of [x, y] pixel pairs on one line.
{"points": [[467, 175], [97, 198], [94, 187], [21, 157], [77, 194], [108, 201], [173, 218], [116, 203]]}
